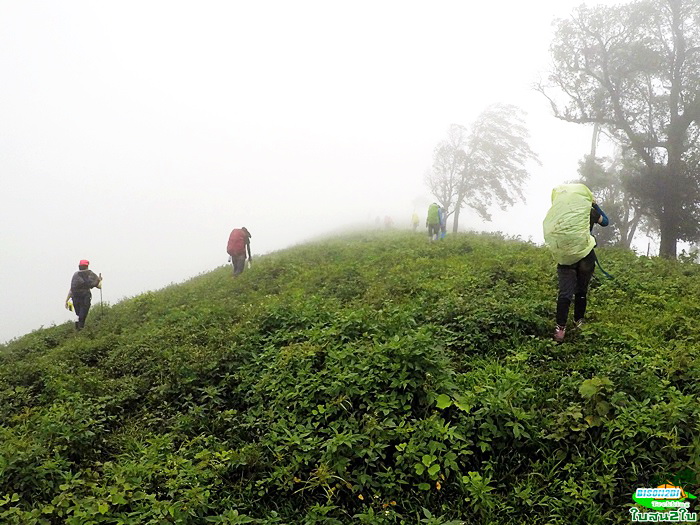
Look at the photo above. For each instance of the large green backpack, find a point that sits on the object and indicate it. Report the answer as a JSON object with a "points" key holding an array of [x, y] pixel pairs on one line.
{"points": [[433, 215], [567, 224]]}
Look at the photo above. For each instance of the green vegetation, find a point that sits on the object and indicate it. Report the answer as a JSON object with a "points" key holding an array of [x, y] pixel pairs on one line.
{"points": [[374, 378]]}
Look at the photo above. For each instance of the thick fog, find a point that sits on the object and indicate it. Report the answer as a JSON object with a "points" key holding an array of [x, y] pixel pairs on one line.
{"points": [[138, 134]]}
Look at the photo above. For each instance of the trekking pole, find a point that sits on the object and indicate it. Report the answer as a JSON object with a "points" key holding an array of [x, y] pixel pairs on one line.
{"points": [[601, 268], [102, 307]]}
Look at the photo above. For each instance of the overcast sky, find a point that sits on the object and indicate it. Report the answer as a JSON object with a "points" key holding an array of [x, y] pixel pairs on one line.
{"points": [[138, 134]]}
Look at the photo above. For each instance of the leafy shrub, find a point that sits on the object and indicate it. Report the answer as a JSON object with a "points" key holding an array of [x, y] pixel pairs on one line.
{"points": [[374, 378]]}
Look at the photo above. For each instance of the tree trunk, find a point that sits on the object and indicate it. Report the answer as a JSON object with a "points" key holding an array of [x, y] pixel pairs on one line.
{"points": [[458, 208], [667, 247], [455, 219], [623, 224], [677, 132], [632, 229], [668, 222]]}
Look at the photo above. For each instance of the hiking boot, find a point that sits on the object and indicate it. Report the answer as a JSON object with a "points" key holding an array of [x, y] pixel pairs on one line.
{"points": [[580, 323], [559, 332]]}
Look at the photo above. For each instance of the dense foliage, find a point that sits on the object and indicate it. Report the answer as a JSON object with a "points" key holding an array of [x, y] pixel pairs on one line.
{"points": [[375, 378]]}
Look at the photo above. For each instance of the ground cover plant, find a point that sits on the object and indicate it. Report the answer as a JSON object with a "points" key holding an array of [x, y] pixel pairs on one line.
{"points": [[373, 378]]}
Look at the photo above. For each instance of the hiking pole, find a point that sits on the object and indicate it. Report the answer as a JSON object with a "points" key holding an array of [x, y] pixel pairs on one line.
{"points": [[601, 268], [595, 256], [102, 307]]}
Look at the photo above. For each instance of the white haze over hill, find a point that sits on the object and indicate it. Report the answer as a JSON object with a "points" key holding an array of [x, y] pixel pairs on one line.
{"points": [[138, 134]]}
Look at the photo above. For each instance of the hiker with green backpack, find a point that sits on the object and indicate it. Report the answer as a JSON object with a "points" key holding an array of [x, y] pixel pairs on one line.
{"points": [[567, 233]]}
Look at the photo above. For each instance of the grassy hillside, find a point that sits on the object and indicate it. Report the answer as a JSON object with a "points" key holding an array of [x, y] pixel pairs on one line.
{"points": [[368, 379]]}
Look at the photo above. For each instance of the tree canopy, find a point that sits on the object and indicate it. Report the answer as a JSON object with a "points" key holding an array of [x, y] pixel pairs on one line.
{"points": [[635, 70], [483, 166]]}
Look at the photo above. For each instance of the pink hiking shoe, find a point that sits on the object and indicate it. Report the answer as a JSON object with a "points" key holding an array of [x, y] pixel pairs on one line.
{"points": [[559, 332]]}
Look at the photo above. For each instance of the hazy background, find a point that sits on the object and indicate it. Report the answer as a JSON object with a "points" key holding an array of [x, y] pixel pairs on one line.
{"points": [[138, 134]]}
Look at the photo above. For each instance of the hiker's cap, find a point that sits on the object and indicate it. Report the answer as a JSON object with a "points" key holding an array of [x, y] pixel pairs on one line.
{"points": [[84, 262]]}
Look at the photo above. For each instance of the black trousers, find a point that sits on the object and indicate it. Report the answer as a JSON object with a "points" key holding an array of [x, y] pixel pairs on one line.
{"points": [[81, 303], [573, 285]]}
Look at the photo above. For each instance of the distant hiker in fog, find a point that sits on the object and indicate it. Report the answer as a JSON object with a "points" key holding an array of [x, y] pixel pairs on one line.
{"points": [[388, 222], [79, 296], [443, 223], [238, 243], [414, 221], [567, 233], [433, 221]]}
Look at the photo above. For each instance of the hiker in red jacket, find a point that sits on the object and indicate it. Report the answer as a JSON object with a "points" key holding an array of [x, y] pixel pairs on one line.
{"points": [[238, 242]]}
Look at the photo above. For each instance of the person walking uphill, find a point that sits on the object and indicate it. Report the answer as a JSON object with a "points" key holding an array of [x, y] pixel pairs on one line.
{"points": [[567, 233], [80, 285], [443, 223], [238, 242]]}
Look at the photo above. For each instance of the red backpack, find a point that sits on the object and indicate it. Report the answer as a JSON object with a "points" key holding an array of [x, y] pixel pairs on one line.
{"points": [[236, 242]]}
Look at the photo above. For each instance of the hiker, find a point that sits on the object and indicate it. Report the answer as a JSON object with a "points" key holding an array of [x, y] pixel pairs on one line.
{"points": [[80, 285], [567, 233], [238, 242], [433, 221], [414, 221], [443, 223]]}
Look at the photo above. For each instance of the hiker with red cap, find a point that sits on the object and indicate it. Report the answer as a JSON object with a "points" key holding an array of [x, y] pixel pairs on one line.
{"points": [[238, 242], [80, 285]]}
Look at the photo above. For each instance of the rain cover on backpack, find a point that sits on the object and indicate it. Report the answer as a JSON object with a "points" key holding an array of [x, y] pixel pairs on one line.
{"points": [[567, 224], [433, 214], [236, 242]]}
